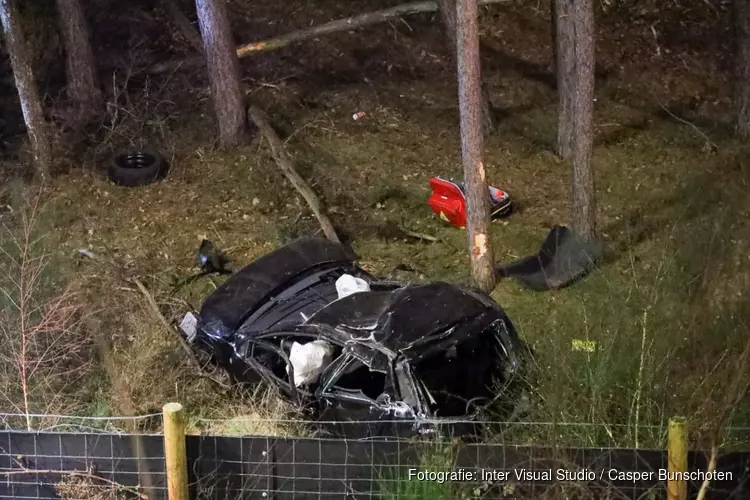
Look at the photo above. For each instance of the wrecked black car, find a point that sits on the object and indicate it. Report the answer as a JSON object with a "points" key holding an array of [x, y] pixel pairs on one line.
{"points": [[349, 348]]}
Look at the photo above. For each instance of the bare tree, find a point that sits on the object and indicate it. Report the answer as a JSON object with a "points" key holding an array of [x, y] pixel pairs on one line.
{"points": [[448, 15], [80, 66], [564, 54], [223, 71], [576, 63], [44, 354], [469, 96], [31, 103], [742, 68]]}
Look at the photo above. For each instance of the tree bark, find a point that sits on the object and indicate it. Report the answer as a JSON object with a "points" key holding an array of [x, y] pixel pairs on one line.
{"points": [[223, 71], [582, 104], [80, 66], [565, 55], [469, 96], [31, 104], [553, 32], [448, 16], [742, 68]]}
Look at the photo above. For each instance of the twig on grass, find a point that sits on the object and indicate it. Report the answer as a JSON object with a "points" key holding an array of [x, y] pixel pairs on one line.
{"points": [[160, 317], [419, 236], [709, 142]]}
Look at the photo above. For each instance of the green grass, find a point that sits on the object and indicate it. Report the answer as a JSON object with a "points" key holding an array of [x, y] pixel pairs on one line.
{"points": [[667, 310], [437, 459]]}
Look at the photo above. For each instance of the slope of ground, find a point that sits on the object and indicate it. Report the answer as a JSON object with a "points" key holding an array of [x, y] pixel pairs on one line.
{"points": [[668, 308]]}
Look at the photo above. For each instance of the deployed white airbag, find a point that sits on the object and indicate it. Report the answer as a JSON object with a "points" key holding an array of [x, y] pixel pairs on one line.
{"points": [[348, 284], [309, 360]]}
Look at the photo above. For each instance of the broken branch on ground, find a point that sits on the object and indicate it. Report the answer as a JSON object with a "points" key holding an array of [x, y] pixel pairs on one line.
{"points": [[285, 164], [337, 26]]}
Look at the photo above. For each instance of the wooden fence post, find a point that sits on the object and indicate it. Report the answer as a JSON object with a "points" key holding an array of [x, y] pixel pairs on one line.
{"points": [[677, 454], [175, 451]]}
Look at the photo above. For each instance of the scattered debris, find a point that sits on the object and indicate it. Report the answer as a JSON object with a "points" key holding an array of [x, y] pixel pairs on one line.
{"points": [[448, 201], [211, 260], [563, 259], [583, 345]]}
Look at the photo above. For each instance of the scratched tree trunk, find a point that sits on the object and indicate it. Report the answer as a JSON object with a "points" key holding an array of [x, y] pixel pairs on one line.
{"points": [[469, 96], [223, 71], [582, 104], [31, 104], [565, 56], [742, 68], [80, 66], [448, 15]]}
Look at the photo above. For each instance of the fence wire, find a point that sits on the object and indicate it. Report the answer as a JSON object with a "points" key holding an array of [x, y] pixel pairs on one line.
{"points": [[80, 465]]}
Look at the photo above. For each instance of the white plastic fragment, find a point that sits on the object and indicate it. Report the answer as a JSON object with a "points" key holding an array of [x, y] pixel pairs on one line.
{"points": [[309, 360], [348, 284], [189, 326]]}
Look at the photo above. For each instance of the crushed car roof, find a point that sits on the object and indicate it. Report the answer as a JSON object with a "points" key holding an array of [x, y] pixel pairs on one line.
{"points": [[404, 318]]}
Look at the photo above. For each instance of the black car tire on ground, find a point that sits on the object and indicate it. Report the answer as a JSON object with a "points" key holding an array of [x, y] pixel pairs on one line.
{"points": [[136, 168]]}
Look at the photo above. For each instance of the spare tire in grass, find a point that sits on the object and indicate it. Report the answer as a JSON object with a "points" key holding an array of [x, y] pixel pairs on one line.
{"points": [[137, 168]]}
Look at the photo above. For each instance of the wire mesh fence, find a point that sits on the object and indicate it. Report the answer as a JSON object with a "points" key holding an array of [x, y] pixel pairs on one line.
{"points": [[104, 464]]}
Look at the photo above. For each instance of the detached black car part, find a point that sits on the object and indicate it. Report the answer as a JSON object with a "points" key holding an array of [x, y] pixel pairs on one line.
{"points": [[563, 259], [404, 359]]}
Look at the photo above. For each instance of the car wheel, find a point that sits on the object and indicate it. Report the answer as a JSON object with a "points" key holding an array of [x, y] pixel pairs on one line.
{"points": [[136, 168]]}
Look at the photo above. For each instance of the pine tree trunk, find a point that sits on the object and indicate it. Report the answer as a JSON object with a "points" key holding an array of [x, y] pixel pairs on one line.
{"points": [[223, 71], [80, 66], [470, 94], [742, 68], [565, 55], [553, 32], [31, 104], [582, 104], [448, 15]]}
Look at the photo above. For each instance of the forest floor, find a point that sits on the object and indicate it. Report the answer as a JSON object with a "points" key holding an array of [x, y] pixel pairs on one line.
{"points": [[668, 308]]}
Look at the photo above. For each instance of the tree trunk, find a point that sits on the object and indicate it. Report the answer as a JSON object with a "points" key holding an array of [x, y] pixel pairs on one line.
{"points": [[553, 32], [31, 104], [469, 96], [448, 15], [565, 55], [80, 66], [742, 68], [223, 71], [582, 104]]}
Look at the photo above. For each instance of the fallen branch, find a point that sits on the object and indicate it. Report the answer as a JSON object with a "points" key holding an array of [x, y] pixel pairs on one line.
{"points": [[337, 26], [285, 164], [419, 236], [157, 313]]}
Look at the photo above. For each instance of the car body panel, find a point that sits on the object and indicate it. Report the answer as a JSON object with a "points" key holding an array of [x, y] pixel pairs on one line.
{"points": [[402, 353]]}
